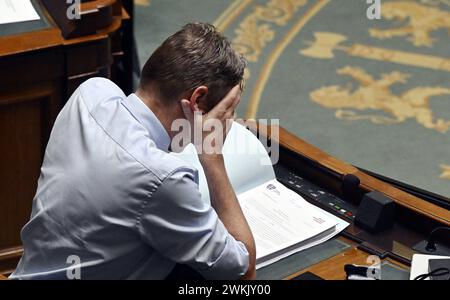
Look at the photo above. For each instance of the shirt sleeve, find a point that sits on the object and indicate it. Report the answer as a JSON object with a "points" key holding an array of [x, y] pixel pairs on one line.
{"points": [[180, 226]]}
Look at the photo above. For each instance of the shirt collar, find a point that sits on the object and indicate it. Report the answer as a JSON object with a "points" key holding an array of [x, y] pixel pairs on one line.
{"points": [[147, 118]]}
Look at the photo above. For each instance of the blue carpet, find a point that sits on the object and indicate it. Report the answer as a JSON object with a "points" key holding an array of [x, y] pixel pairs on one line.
{"points": [[374, 93]]}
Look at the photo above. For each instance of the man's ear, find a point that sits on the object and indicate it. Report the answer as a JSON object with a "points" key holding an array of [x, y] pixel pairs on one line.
{"points": [[198, 99]]}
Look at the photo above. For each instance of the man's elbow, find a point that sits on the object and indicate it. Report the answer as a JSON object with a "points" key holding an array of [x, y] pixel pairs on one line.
{"points": [[251, 270], [250, 275]]}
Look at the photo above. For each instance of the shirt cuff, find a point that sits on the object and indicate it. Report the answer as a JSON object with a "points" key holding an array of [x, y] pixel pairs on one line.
{"points": [[232, 262]]}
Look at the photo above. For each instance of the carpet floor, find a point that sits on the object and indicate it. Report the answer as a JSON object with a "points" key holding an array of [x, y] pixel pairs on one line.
{"points": [[374, 93]]}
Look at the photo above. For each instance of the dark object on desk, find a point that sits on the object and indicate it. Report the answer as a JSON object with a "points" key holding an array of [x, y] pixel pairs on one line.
{"points": [[375, 213], [86, 18], [438, 269], [355, 272], [352, 270], [439, 264], [350, 188], [307, 276], [430, 246]]}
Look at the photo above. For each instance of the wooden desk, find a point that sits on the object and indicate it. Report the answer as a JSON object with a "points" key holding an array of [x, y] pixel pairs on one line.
{"points": [[38, 72], [333, 267], [414, 219]]}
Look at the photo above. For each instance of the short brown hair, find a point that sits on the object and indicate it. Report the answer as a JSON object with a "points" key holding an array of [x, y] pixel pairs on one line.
{"points": [[194, 56]]}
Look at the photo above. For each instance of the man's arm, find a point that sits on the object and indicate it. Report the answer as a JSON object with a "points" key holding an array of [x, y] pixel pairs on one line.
{"points": [[185, 229], [224, 201], [223, 198]]}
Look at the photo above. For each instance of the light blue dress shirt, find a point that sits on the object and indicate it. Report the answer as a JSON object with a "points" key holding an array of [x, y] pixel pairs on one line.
{"points": [[110, 194]]}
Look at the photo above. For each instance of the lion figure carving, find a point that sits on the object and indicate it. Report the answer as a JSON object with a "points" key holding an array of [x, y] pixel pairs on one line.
{"points": [[376, 95], [420, 21]]}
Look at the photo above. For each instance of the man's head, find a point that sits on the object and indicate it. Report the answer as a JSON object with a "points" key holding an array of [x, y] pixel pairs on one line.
{"points": [[196, 63]]}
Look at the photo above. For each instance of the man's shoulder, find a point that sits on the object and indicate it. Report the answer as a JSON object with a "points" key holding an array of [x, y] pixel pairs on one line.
{"points": [[104, 84], [138, 143], [165, 164], [98, 89]]}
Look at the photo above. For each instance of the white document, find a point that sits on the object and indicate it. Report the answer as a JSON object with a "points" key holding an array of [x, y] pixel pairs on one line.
{"points": [[419, 264], [12, 11], [246, 161], [282, 222]]}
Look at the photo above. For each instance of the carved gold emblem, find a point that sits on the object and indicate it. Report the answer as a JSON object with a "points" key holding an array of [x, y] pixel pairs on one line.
{"points": [[376, 95], [435, 2], [256, 30], [421, 21], [445, 172], [142, 2], [326, 43]]}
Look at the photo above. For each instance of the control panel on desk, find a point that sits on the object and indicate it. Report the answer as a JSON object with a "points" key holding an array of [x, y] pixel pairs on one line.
{"points": [[315, 194]]}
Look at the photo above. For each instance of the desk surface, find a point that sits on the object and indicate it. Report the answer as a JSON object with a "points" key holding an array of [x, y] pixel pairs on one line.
{"points": [[35, 35], [294, 151], [28, 26], [39, 70], [330, 268], [333, 267]]}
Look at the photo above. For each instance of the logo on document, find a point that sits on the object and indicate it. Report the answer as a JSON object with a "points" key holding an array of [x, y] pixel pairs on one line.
{"points": [[273, 189]]}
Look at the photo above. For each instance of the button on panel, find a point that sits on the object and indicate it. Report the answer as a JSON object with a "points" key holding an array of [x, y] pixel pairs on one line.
{"points": [[314, 193]]}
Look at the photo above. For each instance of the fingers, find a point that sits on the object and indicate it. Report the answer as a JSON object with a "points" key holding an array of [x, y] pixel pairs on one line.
{"points": [[229, 114], [229, 102]]}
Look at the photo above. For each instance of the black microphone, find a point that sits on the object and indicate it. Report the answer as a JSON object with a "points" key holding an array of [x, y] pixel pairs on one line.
{"points": [[431, 243], [431, 246], [350, 188]]}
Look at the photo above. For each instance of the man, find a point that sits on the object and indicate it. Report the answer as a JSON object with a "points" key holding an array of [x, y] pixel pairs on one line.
{"points": [[113, 203]]}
